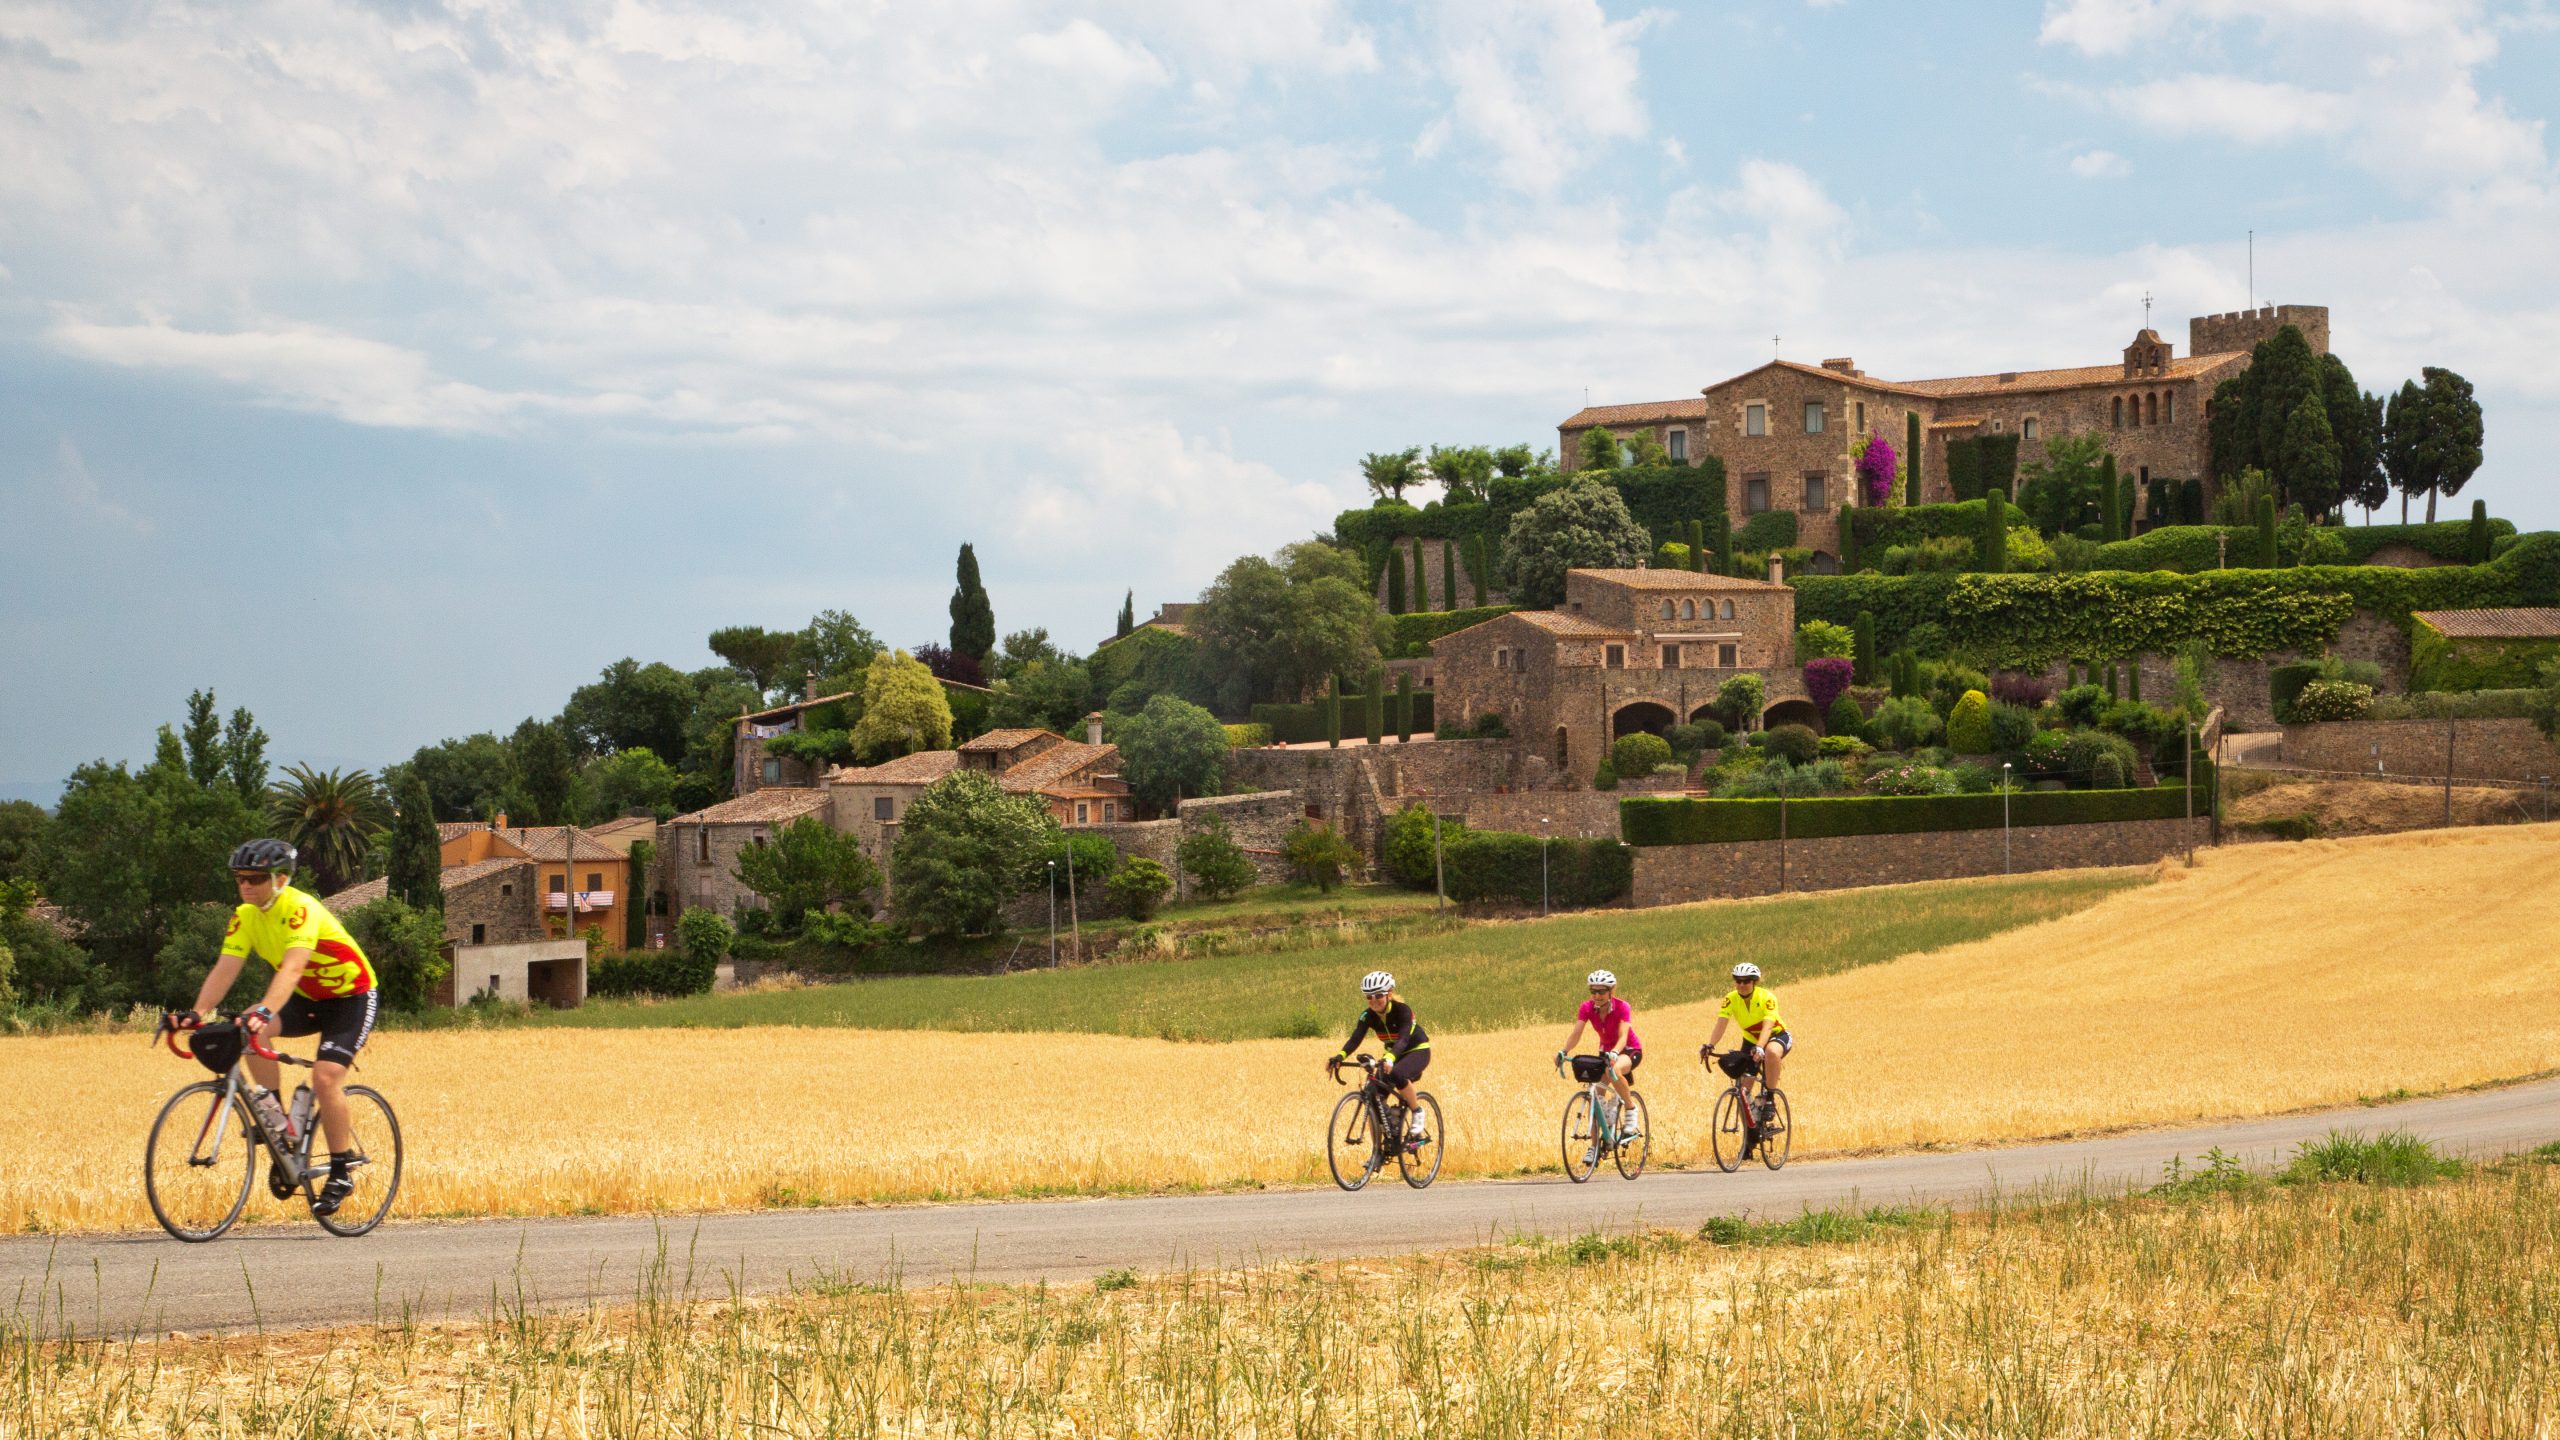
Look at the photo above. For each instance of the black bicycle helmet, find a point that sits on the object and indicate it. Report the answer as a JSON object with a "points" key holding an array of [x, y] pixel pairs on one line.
{"points": [[264, 855]]}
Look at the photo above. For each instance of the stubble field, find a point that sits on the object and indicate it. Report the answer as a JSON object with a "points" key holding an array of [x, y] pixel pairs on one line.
{"points": [[2270, 978]]}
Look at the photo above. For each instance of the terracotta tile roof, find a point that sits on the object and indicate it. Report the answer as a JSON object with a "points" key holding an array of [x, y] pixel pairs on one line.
{"points": [[1818, 372], [539, 842], [772, 804], [1644, 414], [454, 875], [1678, 580], [2514, 623], [922, 768], [621, 823], [1000, 740], [796, 706], [2185, 367], [1558, 622], [1053, 765]]}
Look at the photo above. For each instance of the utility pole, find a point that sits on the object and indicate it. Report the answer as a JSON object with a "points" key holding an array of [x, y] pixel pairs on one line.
{"points": [[1053, 914], [2004, 815], [1782, 840], [2191, 794], [1075, 925], [2448, 770], [1439, 872], [1542, 865]]}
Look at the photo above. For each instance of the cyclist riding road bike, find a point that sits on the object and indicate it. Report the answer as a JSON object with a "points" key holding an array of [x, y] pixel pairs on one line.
{"points": [[1408, 1049], [1754, 1007], [323, 985], [1614, 1021]]}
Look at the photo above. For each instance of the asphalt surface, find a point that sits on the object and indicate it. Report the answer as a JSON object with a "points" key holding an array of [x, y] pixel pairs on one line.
{"points": [[285, 1276]]}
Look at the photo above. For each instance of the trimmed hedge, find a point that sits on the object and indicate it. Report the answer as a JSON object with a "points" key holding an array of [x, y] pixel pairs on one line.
{"points": [[2446, 539], [1648, 821], [1501, 865], [2440, 662], [1414, 633], [1300, 724], [1769, 530], [2031, 620], [650, 972], [1879, 526]]}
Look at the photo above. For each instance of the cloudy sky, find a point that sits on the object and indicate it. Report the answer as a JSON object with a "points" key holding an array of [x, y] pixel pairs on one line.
{"points": [[392, 366]]}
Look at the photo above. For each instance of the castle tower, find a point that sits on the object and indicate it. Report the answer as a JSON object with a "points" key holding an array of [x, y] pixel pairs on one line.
{"points": [[2241, 330]]}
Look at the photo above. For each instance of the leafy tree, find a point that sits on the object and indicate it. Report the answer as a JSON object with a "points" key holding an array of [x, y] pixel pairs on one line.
{"points": [[2306, 458], [1138, 887], [631, 781], [464, 778], [331, 816], [2449, 435], [1043, 695], [244, 756], [1645, 452], [1405, 846], [1213, 864], [808, 866], [540, 772], [1823, 640], [1583, 525], [1738, 701], [711, 736], [763, 656], [2061, 492], [1274, 629], [417, 863], [201, 737], [49, 969], [903, 710], [405, 942], [1393, 472], [1318, 855], [1515, 460], [973, 615], [628, 706], [1465, 472], [963, 850], [2546, 701], [127, 852], [1128, 614], [22, 827], [836, 648], [1170, 749], [1599, 450], [949, 664]]}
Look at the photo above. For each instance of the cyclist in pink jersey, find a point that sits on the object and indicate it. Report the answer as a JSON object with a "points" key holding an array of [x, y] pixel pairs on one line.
{"points": [[1613, 1021]]}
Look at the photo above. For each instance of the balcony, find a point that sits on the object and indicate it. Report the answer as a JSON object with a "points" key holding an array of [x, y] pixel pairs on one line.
{"points": [[588, 900]]}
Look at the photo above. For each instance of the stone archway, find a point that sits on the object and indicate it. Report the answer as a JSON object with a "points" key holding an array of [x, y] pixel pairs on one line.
{"points": [[1792, 712], [1822, 562], [1648, 717]]}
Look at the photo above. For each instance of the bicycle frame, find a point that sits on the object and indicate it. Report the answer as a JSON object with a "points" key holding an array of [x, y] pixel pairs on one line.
{"points": [[235, 1096]]}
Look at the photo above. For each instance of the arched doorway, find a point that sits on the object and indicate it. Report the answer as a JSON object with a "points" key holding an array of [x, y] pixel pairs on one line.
{"points": [[1791, 712], [1822, 562], [1644, 716], [1564, 747]]}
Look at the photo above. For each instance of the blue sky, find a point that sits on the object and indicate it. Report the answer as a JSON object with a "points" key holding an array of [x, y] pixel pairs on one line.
{"points": [[390, 369]]}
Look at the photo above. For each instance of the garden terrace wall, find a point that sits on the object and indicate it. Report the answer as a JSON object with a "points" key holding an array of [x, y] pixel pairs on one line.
{"points": [[2482, 749], [1354, 787], [1708, 822], [1674, 874], [1567, 812]]}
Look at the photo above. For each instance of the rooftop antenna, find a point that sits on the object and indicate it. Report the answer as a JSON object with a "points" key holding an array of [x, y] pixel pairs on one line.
{"points": [[2253, 269]]}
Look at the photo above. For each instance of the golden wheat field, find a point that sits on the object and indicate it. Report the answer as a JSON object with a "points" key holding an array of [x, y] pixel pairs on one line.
{"points": [[2268, 978]]}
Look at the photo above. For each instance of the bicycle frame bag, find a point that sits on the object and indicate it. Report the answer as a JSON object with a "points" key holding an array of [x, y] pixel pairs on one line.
{"points": [[1737, 1063], [1587, 1068], [217, 1047]]}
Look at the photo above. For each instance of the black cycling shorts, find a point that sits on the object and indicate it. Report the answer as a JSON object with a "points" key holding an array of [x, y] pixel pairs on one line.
{"points": [[343, 1022], [1404, 1071]]}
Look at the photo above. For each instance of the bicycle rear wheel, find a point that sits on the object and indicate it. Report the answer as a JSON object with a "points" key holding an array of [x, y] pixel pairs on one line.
{"points": [[1351, 1146], [1725, 1136], [1580, 1137], [198, 1164], [1421, 1163], [373, 1134], [1633, 1149], [1774, 1136]]}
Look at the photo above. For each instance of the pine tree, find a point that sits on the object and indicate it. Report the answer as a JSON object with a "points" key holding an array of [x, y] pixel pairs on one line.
{"points": [[1128, 613], [1864, 661], [417, 864], [1448, 574], [1994, 555], [1911, 457], [1848, 539], [973, 616], [2266, 532]]}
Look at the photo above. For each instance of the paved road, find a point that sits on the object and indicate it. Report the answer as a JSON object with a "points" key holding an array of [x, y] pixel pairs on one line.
{"points": [[122, 1284]]}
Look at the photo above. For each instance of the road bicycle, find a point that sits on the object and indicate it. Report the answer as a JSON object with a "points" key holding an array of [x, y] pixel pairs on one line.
{"points": [[198, 1180], [1739, 1128], [1591, 1123], [1368, 1129]]}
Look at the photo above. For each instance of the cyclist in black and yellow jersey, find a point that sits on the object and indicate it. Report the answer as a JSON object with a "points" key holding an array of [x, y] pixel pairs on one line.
{"points": [[1408, 1049], [323, 985]]}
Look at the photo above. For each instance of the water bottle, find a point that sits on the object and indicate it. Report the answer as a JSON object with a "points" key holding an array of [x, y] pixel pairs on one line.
{"points": [[302, 1103], [271, 1116], [1608, 1117]]}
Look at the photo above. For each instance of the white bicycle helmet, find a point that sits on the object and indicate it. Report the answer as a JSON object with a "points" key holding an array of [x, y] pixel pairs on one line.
{"points": [[1601, 977], [1746, 971], [1377, 982]]}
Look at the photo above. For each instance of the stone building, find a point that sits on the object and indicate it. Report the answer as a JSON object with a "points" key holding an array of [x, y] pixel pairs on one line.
{"points": [[574, 873], [1789, 434], [494, 939], [1628, 650], [697, 854], [1078, 781]]}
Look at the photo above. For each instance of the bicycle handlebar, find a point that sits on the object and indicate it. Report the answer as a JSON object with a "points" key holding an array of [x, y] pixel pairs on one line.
{"points": [[170, 1028], [1365, 1062]]}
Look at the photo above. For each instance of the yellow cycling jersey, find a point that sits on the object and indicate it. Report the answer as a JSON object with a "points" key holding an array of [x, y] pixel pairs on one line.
{"points": [[294, 919], [1760, 1009]]}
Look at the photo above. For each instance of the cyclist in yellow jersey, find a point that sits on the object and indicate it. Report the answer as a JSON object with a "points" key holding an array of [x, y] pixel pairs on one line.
{"points": [[323, 985], [1753, 1007]]}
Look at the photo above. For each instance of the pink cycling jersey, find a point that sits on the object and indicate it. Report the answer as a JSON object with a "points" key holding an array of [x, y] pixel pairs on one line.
{"points": [[1618, 1017]]}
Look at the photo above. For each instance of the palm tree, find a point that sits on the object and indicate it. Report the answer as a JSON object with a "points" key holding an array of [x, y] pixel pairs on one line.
{"points": [[1389, 474], [331, 816]]}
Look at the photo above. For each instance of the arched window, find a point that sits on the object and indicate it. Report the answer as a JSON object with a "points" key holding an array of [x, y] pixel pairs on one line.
{"points": [[2119, 421], [1728, 610], [2169, 407], [2155, 409], [1668, 613]]}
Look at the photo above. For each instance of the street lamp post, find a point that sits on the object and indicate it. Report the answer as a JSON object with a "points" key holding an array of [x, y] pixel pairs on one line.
{"points": [[1053, 914], [1542, 864], [2004, 817]]}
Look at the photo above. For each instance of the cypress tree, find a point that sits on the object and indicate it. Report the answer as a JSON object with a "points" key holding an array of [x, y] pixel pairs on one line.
{"points": [[1333, 713], [2112, 692], [1848, 539], [1395, 582], [2107, 499], [1724, 542], [1698, 546], [635, 918], [1448, 574], [2476, 544], [973, 616], [2133, 678], [1995, 533], [417, 863], [1864, 671], [2266, 532], [1128, 612], [1911, 457], [1374, 706], [1479, 563], [1404, 707], [1420, 592]]}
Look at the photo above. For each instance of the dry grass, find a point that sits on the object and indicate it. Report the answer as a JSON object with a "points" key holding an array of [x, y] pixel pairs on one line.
{"points": [[2378, 807], [2330, 1311], [2270, 978]]}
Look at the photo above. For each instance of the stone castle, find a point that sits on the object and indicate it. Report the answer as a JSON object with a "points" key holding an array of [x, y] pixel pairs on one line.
{"points": [[1789, 433]]}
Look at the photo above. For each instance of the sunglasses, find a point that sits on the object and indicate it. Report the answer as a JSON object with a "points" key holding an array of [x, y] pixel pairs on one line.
{"points": [[1599, 989], [260, 878]]}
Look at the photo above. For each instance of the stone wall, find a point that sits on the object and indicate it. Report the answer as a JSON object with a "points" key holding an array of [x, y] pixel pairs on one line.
{"points": [[1260, 822], [1354, 788], [688, 877], [1565, 812], [747, 767], [502, 904], [2482, 749], [1673, 874]]}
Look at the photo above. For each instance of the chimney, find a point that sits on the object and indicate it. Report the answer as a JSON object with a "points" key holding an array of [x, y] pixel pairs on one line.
{"points": [[809, 685], [500, 823], [1093, 728], [1777, 570], [1842, 364]]}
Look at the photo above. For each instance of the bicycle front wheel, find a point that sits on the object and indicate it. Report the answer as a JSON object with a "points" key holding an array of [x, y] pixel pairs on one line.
{"points": [[1351, 1146], [1581, 1137], [1775, 1135], [1632, 1149], [1725, 1136], [1421, 1163], [199, 1162], [373, 1136]]}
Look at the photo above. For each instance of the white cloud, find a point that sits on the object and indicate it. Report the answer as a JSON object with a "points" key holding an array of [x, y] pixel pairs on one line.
{"points": [[87, 498], [2100, 165], [1542, 83], [2256, 112]]}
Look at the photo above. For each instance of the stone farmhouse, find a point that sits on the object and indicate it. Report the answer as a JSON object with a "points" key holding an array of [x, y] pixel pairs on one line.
{"points": [[1628, 650], [1789, 434], [504, 889]]}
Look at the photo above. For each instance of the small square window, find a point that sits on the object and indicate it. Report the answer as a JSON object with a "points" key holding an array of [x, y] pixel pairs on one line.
{"points": [[1755, 493], [1082, 813], [883, 808], [1755, 419], [506, 889], [1617, 657], [595, 882], [479, 934], [1813, 417], [772, 772], [1670, 657], [1727, 657], [559, 884]]}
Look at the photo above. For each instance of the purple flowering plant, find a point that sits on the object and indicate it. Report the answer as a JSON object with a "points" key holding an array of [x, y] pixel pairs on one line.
{"points": [[1875, 469]]}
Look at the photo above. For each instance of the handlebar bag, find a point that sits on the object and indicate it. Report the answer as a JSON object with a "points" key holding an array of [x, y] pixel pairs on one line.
{"points": [[1587, 1068], [217, 1047], [1737, 1063]]}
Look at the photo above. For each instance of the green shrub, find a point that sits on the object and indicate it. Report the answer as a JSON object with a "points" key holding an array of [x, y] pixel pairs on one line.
{"points": [[1318, 855], [1669, 820], [2097, 760], [1845, 718], [1503, 866], [1138, 887], [2332, 700], [1844, 747], [1796, 744], [1911, 779], [1822, 640], [406, 946], [2456, 705], [1412, 634], [702, 941], [1776, 777], [1738, 700], [1904, 722], [1639, 753], [1969, 724], [2394, 1158], [2012, 726], [1404, 846], [1245, 737], [2081, 704], [2284, 682], [1695, 739], [1213, 864], [1606, 777], [1769, 530]]}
